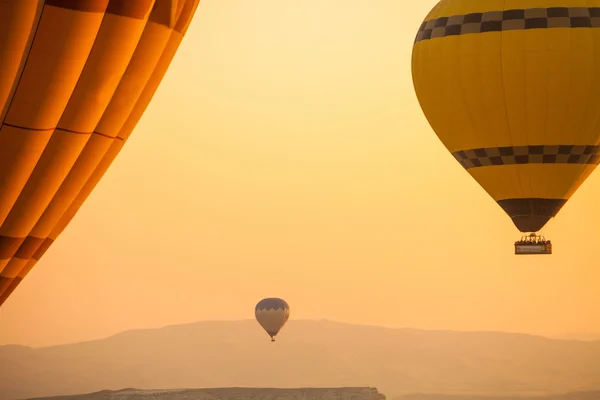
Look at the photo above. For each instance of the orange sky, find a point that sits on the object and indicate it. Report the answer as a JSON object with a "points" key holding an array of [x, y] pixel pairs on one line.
{"points": [[285, 154]]}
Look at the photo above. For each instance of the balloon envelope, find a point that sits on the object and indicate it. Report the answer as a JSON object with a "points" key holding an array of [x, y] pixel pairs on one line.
{"points": [[75, 78], [272, 314], [512, 89]]}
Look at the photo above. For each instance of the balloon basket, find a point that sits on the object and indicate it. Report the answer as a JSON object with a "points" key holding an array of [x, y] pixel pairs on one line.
{"points": [[533, 244]]}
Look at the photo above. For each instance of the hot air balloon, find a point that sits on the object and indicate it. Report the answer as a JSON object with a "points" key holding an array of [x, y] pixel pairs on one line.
{"points": [[75, 78], [512, 89], [272, 314]]}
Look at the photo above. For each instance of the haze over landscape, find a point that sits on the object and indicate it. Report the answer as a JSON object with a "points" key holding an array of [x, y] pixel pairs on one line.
{"points": [[285, 154], [307, 354]]}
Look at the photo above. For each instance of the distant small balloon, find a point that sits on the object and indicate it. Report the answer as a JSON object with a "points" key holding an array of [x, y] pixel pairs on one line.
{"points": [[272, 314]]}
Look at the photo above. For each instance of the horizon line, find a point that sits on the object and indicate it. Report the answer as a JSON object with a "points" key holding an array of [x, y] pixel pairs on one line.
{"points": [[563, 337]]}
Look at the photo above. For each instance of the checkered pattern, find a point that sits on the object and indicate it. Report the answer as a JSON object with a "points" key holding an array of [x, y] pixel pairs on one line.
{"points": [[564, 154], [498, 21]]}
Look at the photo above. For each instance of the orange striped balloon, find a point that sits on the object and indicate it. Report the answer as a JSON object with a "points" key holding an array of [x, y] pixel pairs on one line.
{"points": [[75, 78]]}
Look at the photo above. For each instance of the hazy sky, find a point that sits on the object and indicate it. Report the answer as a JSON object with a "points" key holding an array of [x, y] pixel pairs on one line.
{"points": [[285, 154]]}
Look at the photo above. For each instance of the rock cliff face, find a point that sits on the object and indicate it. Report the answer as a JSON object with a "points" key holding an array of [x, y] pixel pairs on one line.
{"points": [[346, 393]]}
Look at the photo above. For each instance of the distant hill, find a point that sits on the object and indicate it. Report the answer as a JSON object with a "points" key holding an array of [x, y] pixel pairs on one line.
{"points": [[306, 354], [348, 393]]}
